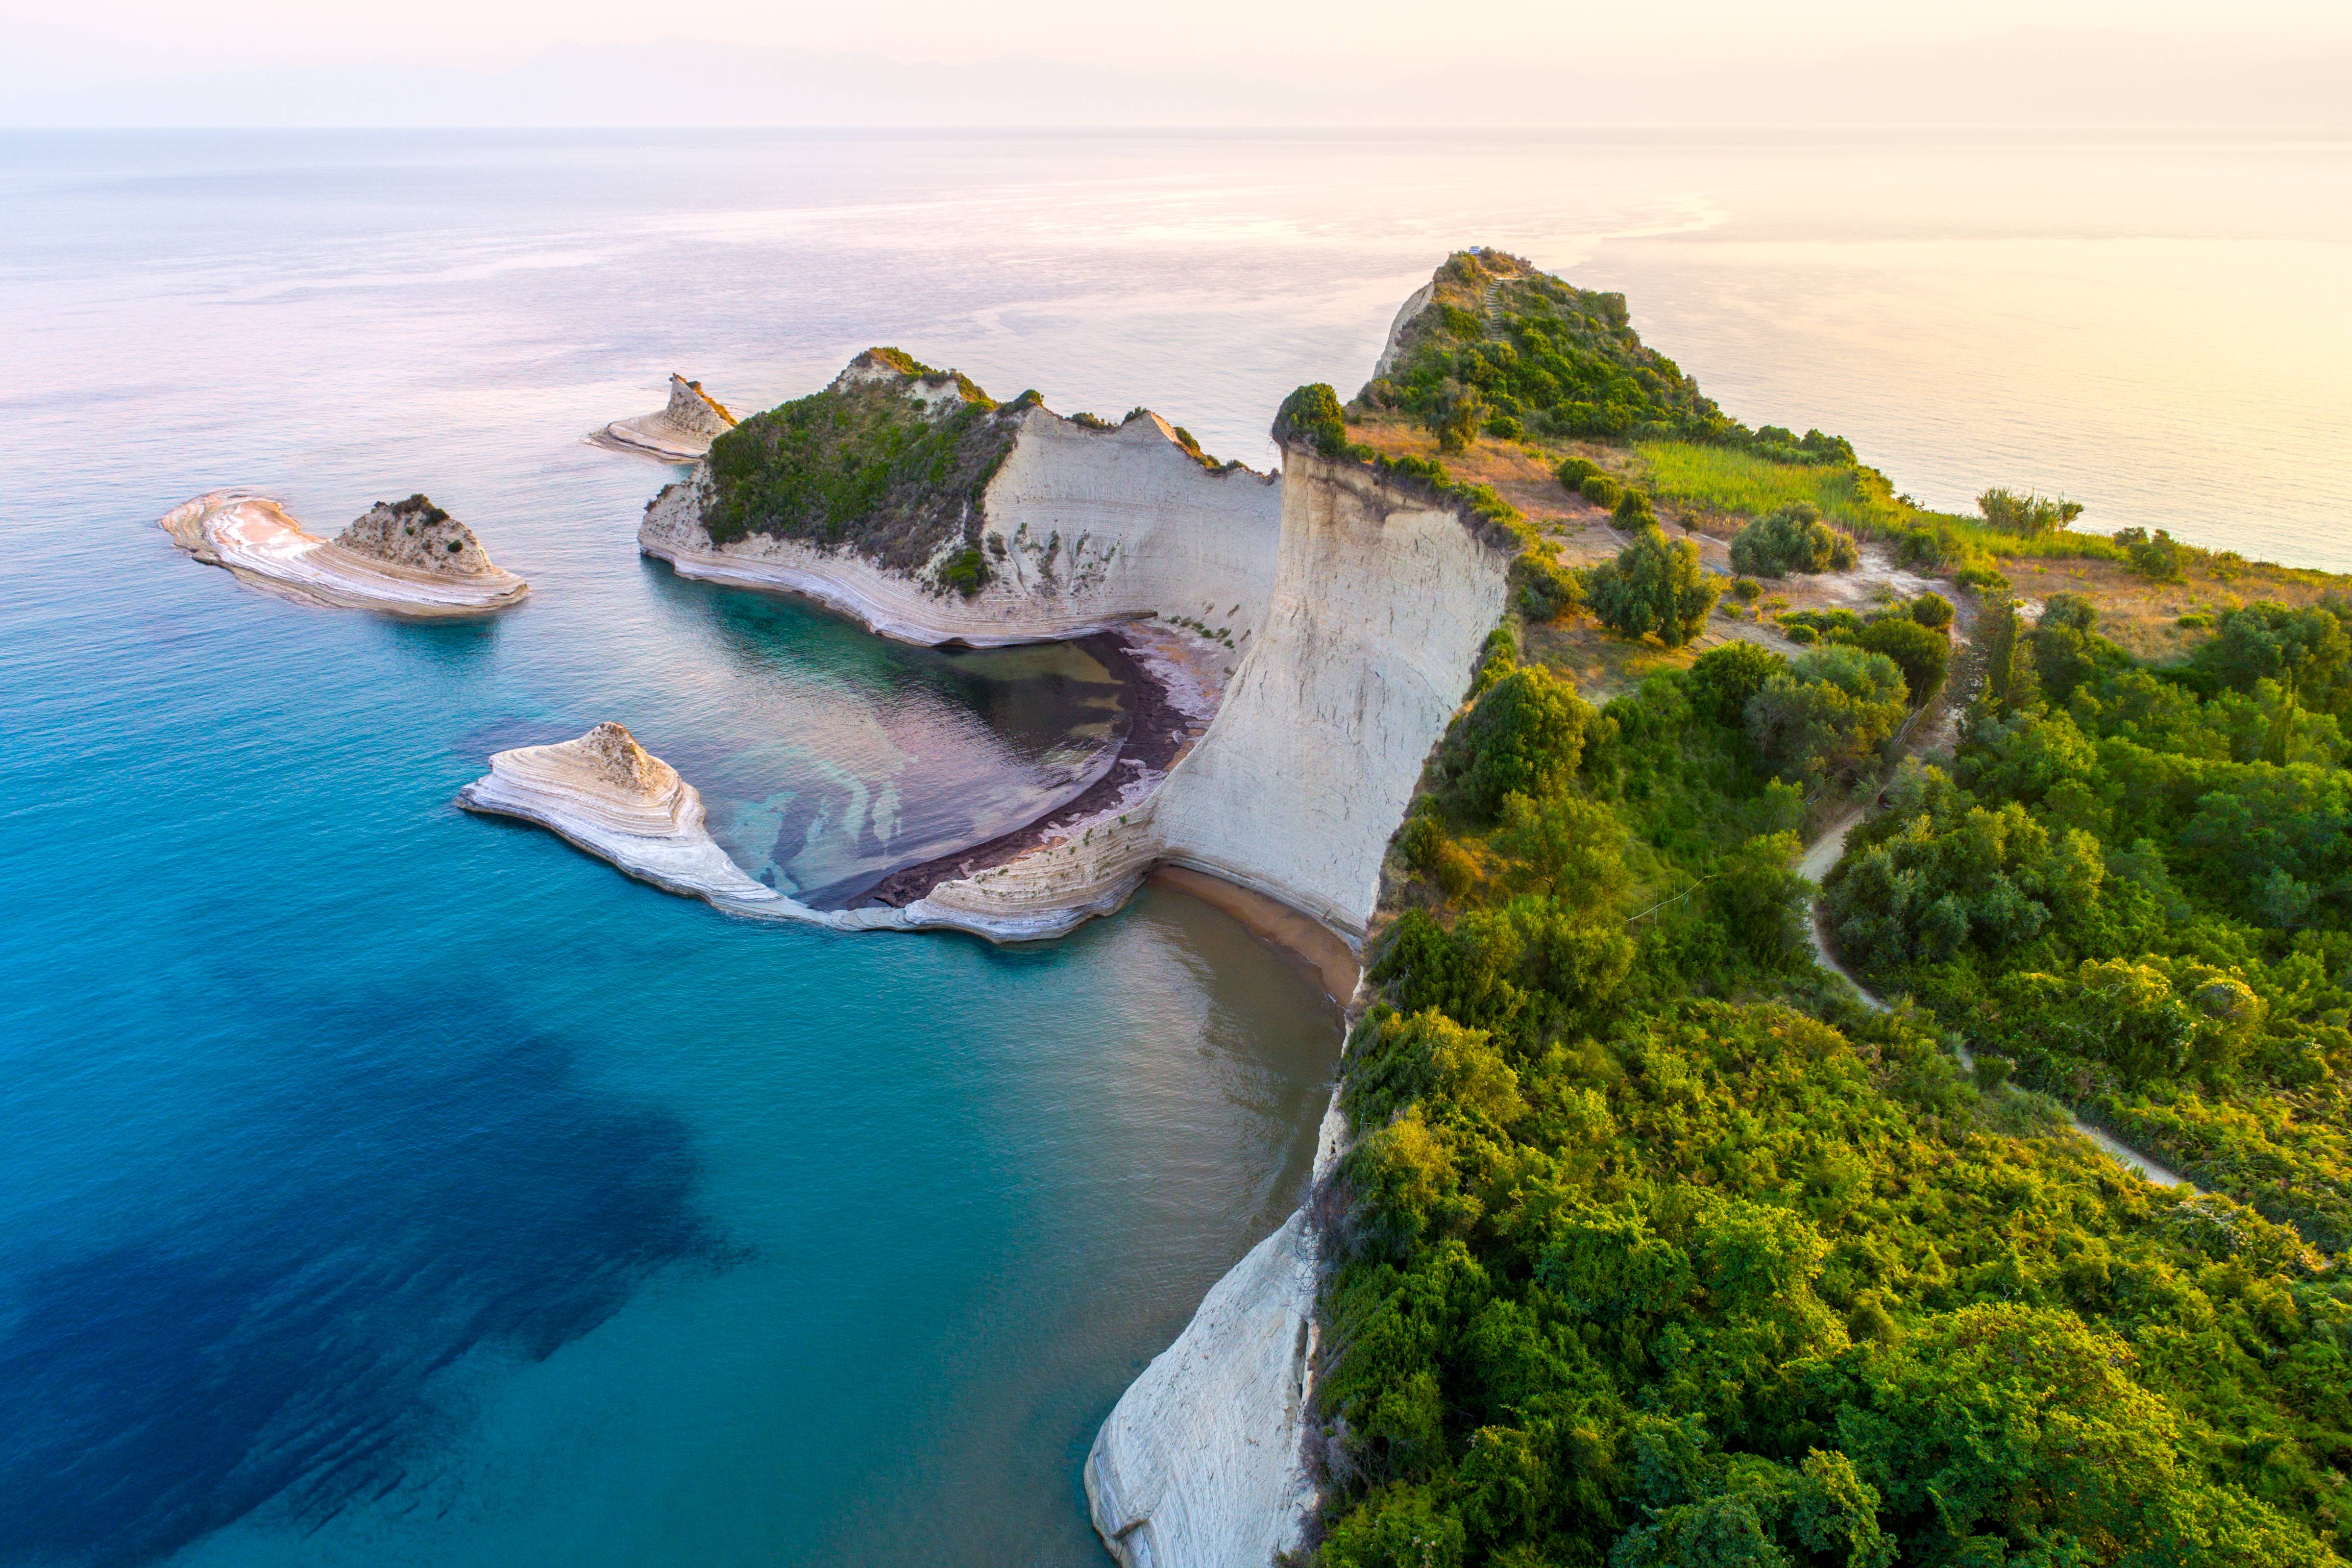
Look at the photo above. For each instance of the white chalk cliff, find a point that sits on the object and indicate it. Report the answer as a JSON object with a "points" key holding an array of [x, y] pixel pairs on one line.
{"points": [[402, 558], [1347, 606], [1084, 530], [679, 432]]}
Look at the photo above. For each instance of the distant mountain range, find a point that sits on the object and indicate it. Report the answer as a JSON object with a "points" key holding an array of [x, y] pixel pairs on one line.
{"points": [[2032, 78]]}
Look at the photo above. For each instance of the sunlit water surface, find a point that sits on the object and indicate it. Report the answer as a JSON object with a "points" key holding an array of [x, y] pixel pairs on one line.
{"points": [[383, 1185]]}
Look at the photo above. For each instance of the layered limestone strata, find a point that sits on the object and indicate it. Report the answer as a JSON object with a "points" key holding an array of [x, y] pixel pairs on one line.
{"points": [[605, 794], [405, 558], [1078, 527], [680, 433], [611, 798]]}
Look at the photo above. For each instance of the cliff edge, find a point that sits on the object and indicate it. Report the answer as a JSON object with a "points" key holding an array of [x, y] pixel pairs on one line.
{"points": [[909, 498]]}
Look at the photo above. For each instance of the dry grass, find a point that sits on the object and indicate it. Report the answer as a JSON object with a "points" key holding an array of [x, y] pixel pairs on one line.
{"points": [[2144, 617]]}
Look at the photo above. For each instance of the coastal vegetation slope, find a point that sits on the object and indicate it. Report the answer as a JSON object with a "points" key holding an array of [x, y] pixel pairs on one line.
{"points": [[1654, 1246]]}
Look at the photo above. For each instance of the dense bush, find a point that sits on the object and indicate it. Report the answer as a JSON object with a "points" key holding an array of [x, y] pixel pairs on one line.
{"points": [[2027, 514], [1794, 539], [1600, 489], [1573, 471], [1631, 1269], [1932, 611], [1921, 655], [1524, 735], [1653, 588], [2142, 898], [2162, 559], [1825, 715], [1633, 510], [1723, 678]]}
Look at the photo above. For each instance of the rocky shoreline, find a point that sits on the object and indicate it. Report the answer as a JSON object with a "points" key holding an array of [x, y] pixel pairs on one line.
{"points": [[1158, 730]]}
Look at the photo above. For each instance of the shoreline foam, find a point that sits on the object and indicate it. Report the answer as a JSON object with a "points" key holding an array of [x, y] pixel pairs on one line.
{"points": [[262, 546]]}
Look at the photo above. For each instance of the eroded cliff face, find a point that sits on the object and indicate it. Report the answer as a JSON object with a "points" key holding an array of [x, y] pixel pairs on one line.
{"points": [[1077, 530], [1381, 602]]}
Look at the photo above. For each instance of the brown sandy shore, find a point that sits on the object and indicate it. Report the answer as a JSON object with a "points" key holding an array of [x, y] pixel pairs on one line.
{"points": [[1332, 963], [1157, 733]]}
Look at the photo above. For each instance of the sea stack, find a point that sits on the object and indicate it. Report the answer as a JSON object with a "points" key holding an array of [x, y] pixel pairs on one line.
{"points": [[680, 433], [610, 796], [401, 558]]}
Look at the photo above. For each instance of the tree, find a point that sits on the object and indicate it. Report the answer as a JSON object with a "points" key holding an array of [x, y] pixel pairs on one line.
{"points": [[1653, 588], [1525, 736], [1724, 678], [1456, 415], [1794, 539], [1830, 710], [1921, 655]]}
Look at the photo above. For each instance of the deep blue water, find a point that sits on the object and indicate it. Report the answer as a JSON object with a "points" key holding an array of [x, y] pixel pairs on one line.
{"points": [[382, 1185]]}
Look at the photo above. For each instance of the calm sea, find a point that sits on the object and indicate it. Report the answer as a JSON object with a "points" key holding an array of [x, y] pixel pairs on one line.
{"points": [[383, 1186]]}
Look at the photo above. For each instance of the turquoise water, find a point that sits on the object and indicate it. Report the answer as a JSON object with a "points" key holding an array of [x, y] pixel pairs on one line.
{"points": [[379, 1183], [383, 1185]]}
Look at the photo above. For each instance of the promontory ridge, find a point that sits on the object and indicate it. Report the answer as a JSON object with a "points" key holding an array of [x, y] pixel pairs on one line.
{"points": [[403, 557], [1637, 1235]]}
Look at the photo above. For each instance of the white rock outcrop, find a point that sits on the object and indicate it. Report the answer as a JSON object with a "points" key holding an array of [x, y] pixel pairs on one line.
{"points": [[605, 794], [407, 558], [1382, 600], [1202, 1463], [681, 432], [616, 800], [1085, 529], [1354, 607]]}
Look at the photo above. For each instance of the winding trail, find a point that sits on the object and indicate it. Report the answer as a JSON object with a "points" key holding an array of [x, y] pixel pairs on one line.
{"points": [[1814, 864]]}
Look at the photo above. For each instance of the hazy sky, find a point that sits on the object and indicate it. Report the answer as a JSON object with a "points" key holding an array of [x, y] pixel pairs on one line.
{"points": [[54, 48]]}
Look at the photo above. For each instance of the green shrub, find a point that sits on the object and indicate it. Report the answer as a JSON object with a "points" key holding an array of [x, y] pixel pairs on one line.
{"points": [[1745, 589], [2161, 559], [1525, 736], [1723, 678], [1311, 417], [1653, 588], [1932, 611], [1921, 655], [1822, 718], [1574, 471], [1600, 489], [966, 571], [1633, 510], [2194, 620], [2028, 514], [1794, 539], [1543, 589]]}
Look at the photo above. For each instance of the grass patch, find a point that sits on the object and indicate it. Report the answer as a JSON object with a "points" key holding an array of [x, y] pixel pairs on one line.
{"points": [[1723, 480]]}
